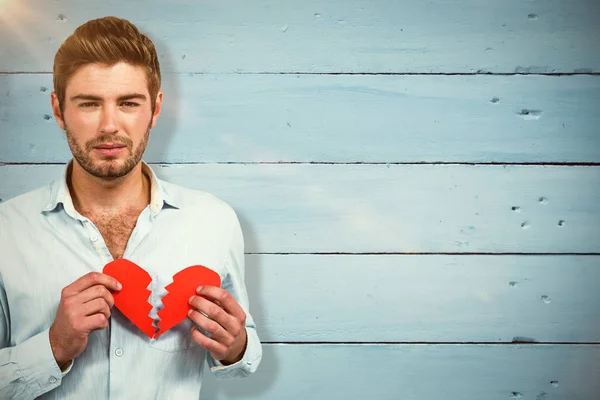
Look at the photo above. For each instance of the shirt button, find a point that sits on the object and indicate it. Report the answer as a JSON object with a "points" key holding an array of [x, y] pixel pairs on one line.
{"points": [[249, 362], [93, 238], [52, 379], [119, 352]]}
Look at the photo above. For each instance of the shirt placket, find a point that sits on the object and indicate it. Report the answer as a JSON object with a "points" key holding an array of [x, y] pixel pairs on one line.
{"points": [[117, 346], [95, 236]]}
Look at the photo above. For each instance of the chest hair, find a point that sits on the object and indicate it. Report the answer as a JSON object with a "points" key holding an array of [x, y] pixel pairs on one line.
{"points": [[116, 229]]}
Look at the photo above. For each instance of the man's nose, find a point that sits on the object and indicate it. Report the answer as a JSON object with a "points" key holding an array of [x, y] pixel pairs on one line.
{"points": [[109, 122]]}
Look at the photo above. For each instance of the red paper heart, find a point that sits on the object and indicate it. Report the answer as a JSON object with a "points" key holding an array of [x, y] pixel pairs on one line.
{"points": [[132, 299], [183, 287]]}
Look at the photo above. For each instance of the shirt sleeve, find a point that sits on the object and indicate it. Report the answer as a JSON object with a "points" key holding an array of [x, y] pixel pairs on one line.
{"points": [[234, 283], [28, 369]]}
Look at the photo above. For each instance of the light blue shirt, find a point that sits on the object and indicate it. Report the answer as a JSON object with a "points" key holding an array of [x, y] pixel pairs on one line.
{"points": [[45, 245]]}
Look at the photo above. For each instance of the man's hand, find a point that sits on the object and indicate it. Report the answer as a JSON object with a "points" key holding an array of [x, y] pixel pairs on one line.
{"points": [[84, 306], [224, 319]]}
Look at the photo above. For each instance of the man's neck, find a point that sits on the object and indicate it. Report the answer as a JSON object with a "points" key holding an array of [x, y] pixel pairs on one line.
{"points": [[93, 195]]}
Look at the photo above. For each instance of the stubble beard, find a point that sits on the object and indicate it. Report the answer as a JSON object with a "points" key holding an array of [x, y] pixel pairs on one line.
{"points": [[107, 167]]}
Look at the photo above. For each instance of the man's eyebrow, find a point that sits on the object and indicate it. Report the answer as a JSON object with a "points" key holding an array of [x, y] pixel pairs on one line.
{"points": [[129, 96]]}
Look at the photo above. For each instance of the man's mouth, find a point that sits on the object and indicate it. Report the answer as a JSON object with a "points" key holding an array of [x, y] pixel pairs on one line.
{"points": [[110, 149], [110, 146]]}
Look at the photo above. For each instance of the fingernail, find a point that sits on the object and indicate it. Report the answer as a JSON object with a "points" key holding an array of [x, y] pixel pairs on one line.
{"points": [[190, 300], [198, 289], [119, 286], [190, 311]]}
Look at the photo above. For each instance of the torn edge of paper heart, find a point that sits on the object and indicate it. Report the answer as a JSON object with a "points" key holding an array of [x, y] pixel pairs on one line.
{"points": [[148, 316], [158, 291], [161, 298], [175, 302], [149, 329], [138, 309]]}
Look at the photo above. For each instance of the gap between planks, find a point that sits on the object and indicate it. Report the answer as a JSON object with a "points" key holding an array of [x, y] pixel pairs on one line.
{"points": [[514, 343], [475, 73], [495, 163], [417, 254]]}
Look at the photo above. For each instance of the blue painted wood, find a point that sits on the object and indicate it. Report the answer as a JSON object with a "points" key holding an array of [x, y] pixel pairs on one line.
{"points": [[425, 298], [390, 208], [219, 113], [335, 36], [417, 372], [258, 118]]}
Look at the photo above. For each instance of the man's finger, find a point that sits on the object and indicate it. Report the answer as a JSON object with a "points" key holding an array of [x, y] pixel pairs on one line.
{"points": [[216, 331], [209, 344], [224, 299], [95, 292], [95, 322], [214, 312], [96, 306], [92, 279]]}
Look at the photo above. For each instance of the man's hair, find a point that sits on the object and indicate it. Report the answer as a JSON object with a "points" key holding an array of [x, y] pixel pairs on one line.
{"points": [[106, 41]]}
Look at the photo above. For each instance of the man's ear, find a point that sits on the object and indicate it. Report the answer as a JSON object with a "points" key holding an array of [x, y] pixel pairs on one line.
{"points": [[157, 108], [56, 110]]}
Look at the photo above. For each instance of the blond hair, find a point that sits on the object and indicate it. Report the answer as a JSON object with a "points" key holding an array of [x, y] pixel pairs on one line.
{"points": [[106, 41]]}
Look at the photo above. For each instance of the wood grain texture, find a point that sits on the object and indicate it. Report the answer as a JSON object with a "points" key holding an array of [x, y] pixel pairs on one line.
{"points": [[425, 298], [417, 372], [259, 118], [302, 208], [433, 36], [359, 81]]}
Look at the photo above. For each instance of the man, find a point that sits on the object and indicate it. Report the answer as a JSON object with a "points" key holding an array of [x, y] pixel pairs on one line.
{"points": [[60, 337]]}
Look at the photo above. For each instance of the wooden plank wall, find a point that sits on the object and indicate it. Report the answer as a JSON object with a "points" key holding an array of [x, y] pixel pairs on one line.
{"points": [[418, 181]]}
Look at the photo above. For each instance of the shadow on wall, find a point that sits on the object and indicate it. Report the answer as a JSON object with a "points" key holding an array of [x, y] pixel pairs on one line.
{"points": [[160, 139], [259, 383], [255, 386], [162, 134]]}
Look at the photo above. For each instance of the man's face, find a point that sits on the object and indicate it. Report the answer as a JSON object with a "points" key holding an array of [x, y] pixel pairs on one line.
{"points": [[107, 118]]}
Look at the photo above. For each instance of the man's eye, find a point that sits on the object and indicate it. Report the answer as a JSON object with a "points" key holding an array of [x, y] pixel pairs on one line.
{"points": [[89, 104], [129, 104]]}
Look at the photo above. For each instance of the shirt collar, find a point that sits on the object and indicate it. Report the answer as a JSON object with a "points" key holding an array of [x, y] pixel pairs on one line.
{"points": [[59, 193]]}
